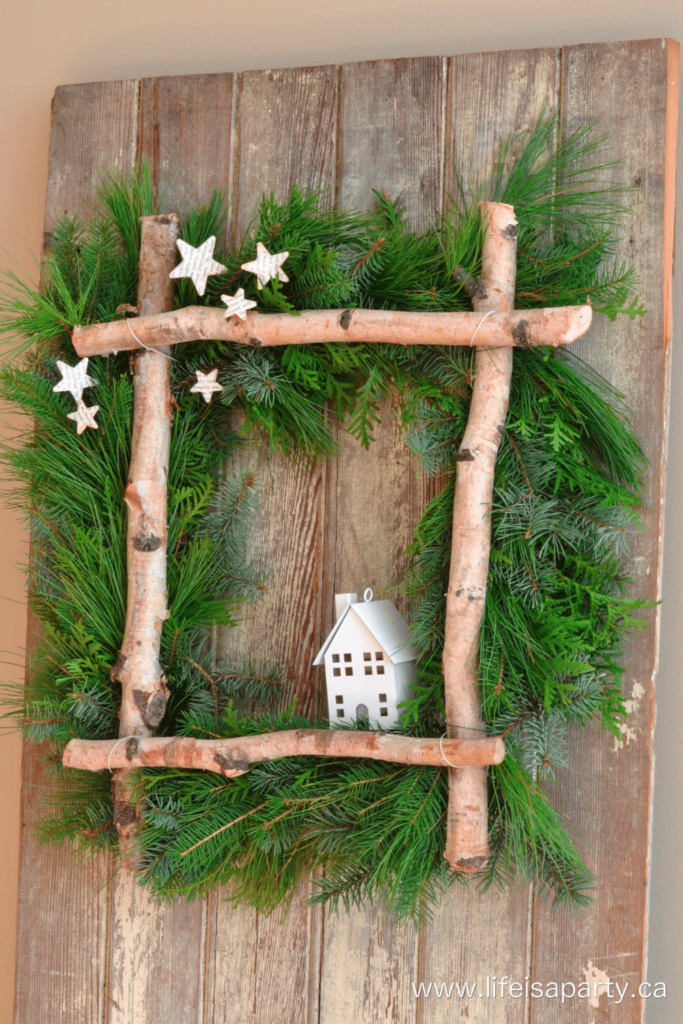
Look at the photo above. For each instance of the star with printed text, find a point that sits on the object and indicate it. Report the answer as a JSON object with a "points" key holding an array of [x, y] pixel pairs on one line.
{"points": [[197, 264]]}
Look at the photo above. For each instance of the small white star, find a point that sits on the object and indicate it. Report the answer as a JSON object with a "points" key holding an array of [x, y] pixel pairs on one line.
{"points": [[237, 304], [197, 264], [266, 266], [206, 384], [84, 416], [74, 378]]}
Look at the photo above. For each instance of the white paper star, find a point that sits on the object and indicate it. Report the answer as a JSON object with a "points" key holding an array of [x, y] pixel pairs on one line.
{"points": [[237, 304], [84, 416], [197, 264], [74, 378], [266, 266], [206, 384]]}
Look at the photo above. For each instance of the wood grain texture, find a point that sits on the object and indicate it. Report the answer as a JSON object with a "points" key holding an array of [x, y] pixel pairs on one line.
{"points": [[63, 914], [87, 953], [285, 132], [261, 968], [62, 932], [186, 135], [391, 134], [94, 128], [142, 933], [367, 968], [156, 958], [390, 137], [489, 96], [607, 791]]}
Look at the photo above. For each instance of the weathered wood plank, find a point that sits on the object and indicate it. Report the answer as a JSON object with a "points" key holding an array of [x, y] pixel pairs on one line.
{"points": [[186, 134], [367, 969], [156, 958], [261, 968], [607, 791], [94, 128], [285, 133], [391, 134], [489, 96], [152, 976], [62, 932], [390, 137], [345, 526]]}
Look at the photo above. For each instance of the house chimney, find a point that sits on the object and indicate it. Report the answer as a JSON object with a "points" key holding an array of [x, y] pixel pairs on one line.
{"points": [[340, 603]]}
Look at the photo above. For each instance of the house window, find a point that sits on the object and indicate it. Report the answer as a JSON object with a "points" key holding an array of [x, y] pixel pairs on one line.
{"points": [[335, 657], [368, 670], [340, 712], [382, 698], [348, 671], [380, 670], [336, 671], [339, 699], [379, 656], [367, 656], [384, 712], [347, 657]]}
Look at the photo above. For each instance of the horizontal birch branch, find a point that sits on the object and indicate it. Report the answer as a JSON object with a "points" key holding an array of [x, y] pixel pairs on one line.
{"points": [[520, 328], [233, 756]]}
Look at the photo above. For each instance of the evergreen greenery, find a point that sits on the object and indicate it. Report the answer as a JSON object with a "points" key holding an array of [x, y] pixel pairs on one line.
{"points": [[565, 501]]}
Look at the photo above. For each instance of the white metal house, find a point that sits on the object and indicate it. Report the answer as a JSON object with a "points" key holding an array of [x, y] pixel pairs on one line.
{"points": [[370, 666]]}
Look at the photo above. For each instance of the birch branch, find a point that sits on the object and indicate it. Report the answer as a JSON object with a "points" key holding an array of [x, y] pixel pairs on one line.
{"points": [[234, 756], [521, 328], [467, 820], [143, 687]]}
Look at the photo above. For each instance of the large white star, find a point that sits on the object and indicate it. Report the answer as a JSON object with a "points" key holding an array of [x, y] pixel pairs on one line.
{"points": [[266, 266], [237, 304], [74, 378], [84, 416], [206, 384], [197, 264]]}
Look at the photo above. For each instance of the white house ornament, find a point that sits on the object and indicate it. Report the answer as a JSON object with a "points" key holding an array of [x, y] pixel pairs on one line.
{"points": [[207, 384], [266, 266], [74, 379], [84, 416], [237, 304], [197, 264], [370, 666]]}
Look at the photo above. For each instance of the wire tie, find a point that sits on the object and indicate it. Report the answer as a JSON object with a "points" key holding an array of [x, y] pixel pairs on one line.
{"points": [[114, 748], [441, 739], [158, 352], [476, 328]]}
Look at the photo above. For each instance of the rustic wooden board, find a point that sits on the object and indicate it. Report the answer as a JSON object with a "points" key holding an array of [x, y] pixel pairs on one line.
{"points": [[607, 793], [285, 132], [398, 125], [64, 906], [488, 97]]}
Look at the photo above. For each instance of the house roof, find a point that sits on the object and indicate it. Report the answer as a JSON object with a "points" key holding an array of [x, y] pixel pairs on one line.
{"points": [[386, 624]]}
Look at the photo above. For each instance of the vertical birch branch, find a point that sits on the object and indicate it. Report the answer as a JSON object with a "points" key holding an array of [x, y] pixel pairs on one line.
{"points": [[467, 821], [144, 692]]}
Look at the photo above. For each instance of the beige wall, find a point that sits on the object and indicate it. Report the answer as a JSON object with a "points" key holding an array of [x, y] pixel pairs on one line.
{"points": [[46, 43]]}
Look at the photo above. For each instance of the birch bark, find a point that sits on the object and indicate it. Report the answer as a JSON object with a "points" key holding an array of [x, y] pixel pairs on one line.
{"points": [[518, 328], [144, 693], [233, 756], [467, 846]]}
